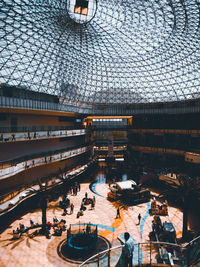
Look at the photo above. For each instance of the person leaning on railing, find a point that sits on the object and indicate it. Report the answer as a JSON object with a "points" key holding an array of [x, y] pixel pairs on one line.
{"points": [[128, 250]]}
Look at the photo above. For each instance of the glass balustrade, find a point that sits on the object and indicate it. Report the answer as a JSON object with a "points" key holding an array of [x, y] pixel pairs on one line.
{"points": [[6, 172], [37, 128], [22, 136]]}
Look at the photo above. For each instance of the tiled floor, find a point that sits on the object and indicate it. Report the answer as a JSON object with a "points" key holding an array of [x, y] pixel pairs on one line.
{"points": [[40, 251]]}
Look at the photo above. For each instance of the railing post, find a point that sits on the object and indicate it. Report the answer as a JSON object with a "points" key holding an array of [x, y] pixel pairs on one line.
{"points": [[109, 258], [138, 254], [98, 261], [150, 253]]}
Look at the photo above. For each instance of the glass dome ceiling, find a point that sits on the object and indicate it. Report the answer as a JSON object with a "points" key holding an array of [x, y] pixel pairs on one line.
{"points": [[104, 51]]}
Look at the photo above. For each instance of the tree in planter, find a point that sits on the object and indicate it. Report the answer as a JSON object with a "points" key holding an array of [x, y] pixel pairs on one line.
{"points": [[43, 204], [44, 197], [185, 191]]}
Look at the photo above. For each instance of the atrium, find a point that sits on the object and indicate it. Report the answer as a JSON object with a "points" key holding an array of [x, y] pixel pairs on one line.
{"points": [[99, 132]]}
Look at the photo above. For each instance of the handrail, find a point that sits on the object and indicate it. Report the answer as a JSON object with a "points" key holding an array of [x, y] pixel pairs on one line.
{"points": [[98, 254], [37, 135], [136, 244], [184, 106], [193, 240], [6, 172], [14, 161], [34, 128]]}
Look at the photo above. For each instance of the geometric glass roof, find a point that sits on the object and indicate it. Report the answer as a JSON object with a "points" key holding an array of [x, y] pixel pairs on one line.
{"points": [[117, 53]]}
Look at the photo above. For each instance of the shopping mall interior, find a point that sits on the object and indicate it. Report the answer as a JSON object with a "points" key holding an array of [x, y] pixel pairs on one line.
{"points": [[99, 133]]}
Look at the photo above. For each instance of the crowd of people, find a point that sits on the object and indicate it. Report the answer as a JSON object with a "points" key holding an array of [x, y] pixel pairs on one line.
{"points": [[86, 201], [68, 207], [65, 202], [75, 188]]}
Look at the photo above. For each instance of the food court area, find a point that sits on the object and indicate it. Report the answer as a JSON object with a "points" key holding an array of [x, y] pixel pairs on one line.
{"points": [[94, 203]]}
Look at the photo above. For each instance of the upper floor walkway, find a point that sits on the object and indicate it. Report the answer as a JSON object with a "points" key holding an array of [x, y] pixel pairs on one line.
{"points": [[11, 200], [21, 166], [38, 135]]}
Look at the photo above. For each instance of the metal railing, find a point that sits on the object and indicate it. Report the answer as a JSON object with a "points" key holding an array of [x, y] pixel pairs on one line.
{"points": [[24, 136], [97, 259], [144, 253], [193, 252], [12, 161], [196, 239], [101, 109], [35, 128], [10, 171], [12, 102]]}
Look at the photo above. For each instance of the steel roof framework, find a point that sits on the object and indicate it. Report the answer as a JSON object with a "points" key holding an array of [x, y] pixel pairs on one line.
{"points": [[130, 52]]}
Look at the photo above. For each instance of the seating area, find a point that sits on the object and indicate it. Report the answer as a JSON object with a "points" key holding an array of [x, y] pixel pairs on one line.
{"points": [[102, 216]]}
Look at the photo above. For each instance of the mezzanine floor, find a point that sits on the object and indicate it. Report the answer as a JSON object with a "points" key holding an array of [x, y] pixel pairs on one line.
{"points": [[40, 251]]}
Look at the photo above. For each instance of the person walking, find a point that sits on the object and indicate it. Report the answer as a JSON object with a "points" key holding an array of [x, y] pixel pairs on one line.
{"points": [[71, 208], [92, 204], [65, 209], [76, 189], [64, 197], [118, 213], [73, 190], [128, 250], [139, 218]]}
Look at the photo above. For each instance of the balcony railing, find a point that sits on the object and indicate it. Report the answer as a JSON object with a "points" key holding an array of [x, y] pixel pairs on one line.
{"points": [[103, 109], [36, 128], [166, 131], [24, 136], [151, 253], [9, 171]]}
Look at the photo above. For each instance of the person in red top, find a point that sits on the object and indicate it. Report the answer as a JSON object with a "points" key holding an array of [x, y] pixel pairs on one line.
{"points": [[49, 225]]}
